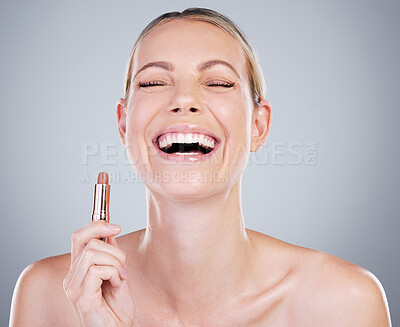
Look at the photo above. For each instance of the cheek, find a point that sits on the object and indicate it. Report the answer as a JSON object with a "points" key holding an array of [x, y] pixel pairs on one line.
{"points": [[140, 113], [235, 116], [138, 119]]}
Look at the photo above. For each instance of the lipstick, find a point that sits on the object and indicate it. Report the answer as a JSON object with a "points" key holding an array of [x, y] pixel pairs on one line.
{"points": [[101, 199]]}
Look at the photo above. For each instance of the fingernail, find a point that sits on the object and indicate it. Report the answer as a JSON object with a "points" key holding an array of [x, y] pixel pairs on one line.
{"points": [[113, 227]]}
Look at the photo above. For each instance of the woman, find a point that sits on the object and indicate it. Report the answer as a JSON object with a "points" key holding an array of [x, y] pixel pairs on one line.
{"points": [[194, 108]]}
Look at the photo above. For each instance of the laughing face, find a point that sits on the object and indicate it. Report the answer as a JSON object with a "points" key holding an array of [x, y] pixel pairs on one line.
{"points": [[189, 122]]}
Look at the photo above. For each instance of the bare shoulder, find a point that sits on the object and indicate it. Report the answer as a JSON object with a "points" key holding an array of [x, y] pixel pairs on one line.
{"points": [[39, 298], [325, 290], [129, 243], [336, 292]]}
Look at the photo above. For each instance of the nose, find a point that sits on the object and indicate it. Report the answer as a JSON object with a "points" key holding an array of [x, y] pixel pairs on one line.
{"points": [[184, 101]]}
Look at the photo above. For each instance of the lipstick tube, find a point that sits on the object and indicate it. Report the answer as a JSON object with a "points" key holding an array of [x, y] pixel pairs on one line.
{"points": [[101, 199]]}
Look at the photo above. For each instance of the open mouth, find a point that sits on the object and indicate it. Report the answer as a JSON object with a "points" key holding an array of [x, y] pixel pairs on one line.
{"points": [[186, 143]]}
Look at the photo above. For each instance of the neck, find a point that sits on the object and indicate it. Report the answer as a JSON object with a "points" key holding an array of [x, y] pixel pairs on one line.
{"points": [[195, 254]]}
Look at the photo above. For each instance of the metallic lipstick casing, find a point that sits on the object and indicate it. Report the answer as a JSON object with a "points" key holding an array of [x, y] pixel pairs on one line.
{"points": [[101, 199]]}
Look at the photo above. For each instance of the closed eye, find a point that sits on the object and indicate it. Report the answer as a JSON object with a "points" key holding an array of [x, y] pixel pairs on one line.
{"points": [[221, 84], [156, 83], [151, 83]]}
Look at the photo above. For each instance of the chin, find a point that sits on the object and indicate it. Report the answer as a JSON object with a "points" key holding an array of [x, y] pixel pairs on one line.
{"points": [[187, 185]]}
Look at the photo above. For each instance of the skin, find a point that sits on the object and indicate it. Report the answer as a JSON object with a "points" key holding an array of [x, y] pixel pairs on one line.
{"points": [[195, 264]]}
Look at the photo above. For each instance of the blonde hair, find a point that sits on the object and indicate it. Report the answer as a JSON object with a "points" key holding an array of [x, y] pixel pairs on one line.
{"points": [[256, 78]]}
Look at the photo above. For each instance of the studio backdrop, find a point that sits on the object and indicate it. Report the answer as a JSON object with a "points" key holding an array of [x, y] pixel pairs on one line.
{"points": [[327, 177]]}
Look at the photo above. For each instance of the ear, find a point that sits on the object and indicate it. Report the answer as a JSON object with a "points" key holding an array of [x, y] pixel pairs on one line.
{"points": [[121, 119], [261, 123]]}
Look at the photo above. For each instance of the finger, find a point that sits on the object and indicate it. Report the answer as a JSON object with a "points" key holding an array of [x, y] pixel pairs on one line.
{"points": [[91, 286], [111, 240], [91, 258], [100, 246], [107, 247], [98, 229]]}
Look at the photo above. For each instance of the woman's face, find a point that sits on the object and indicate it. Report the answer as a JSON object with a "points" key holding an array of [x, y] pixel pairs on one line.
{"points": [[188, 78]]}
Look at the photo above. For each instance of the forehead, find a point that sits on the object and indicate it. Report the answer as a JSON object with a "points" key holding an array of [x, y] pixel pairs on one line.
{"points": [[189, 42]]}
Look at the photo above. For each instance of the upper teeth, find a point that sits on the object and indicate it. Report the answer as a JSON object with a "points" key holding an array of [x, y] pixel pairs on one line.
{"points": [[168, 139]]}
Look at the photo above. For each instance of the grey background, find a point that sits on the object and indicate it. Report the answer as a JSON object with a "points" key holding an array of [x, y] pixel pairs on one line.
{"points": [[332, 73]]}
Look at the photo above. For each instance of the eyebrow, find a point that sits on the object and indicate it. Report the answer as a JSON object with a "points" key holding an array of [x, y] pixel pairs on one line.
{"points": [[161, 64], [201, 67], [210, 63]]}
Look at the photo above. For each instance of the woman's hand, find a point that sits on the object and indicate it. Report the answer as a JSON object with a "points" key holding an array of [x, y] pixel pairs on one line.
{"points": [[96, 284]]}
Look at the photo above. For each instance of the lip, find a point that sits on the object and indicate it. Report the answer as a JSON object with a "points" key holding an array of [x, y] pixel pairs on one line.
{"points": [[186, 128]]}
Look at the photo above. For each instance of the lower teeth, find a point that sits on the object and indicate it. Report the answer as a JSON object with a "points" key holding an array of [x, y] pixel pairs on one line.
{"points": [[188, 153]]}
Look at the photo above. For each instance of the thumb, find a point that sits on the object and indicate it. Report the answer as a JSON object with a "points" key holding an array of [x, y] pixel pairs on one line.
{"points": [[112, 241]]}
